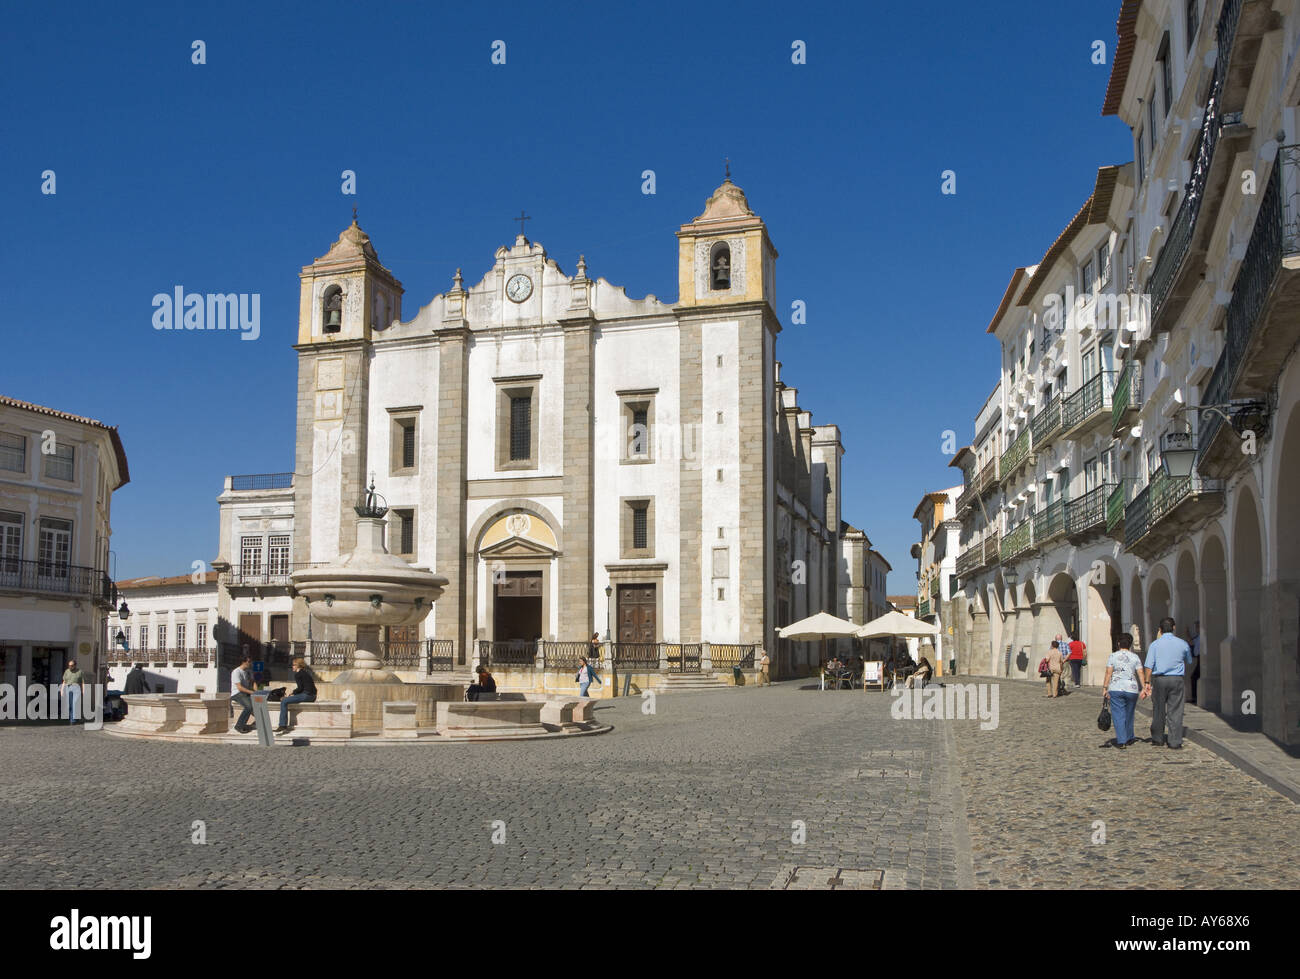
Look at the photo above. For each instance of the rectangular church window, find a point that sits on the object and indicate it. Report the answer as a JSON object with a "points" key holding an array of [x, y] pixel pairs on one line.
{"points": [[405, 531], [408, 445], [521, 425], [639, 540]]}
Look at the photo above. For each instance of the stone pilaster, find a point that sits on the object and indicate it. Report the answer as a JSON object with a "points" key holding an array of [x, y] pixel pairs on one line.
{"points": [[981, 656], [576, 565], [691, 476], [453, 614], [754, 418]]}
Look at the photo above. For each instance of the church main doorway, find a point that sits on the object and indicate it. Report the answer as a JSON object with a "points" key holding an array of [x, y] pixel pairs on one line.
{"points": [[517, 613]]}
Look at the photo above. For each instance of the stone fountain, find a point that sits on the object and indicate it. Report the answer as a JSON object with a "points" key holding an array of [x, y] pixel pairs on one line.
{"points": [[370, 588]]}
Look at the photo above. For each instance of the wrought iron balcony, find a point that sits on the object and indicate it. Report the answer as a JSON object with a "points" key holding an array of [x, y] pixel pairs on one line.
{"points": [[1087, 514], [1115, 502], [1089, 402], [53, 578], [992, 545], [1262, 321], [1127, 398], [970, 560], [923, 608], [934, 588], [1046, 423], [968, 495], [988, 476], [1168, 283], [1018, 540], [1049, 523], [1015, 455], [1148, 527]]}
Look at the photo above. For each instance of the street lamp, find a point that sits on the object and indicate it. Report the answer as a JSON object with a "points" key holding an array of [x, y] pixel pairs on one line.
{"points": [[1010, 576], [609, 590], [123, 612], [1177, 454]]}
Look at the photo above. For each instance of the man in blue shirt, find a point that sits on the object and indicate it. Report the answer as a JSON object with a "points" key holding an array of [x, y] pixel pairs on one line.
{"points": [[1162, 676]]}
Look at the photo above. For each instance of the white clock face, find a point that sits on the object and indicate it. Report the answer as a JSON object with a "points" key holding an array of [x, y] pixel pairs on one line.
{"points": [[519, 288]]}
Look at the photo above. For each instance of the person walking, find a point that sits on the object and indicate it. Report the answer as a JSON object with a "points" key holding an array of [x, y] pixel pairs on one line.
{"points": [[303, 693], [1195, 644], [135, 681], [586, 676], [764, 670], [241, 692], [1076, 649], [1123, 687], [1054, 665], [1162, 675], [70, 689]]}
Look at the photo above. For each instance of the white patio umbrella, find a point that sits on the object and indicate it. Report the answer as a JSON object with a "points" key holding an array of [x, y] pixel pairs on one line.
{"points": [[899, 626], [821, 626], [896, 624]]}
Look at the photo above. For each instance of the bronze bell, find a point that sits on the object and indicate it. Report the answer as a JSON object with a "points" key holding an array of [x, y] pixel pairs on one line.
{"points": [[332, 320]]}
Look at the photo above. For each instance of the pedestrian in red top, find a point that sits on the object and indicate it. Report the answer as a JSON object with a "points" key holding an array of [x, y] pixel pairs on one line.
{"points": [[1076, 659]]}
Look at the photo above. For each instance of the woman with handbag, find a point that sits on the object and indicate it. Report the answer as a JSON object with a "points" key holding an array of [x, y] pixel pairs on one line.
{"points": [[1123, 689]]}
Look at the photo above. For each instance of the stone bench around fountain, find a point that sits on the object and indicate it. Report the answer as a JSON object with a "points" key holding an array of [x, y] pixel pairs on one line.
{"points": [[491, 719], [322, 720], [152, 713], [401, 719], [204, 715]]}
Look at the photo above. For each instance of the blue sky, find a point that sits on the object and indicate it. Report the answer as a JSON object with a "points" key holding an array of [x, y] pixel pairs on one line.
{"points": [[225, 177]]}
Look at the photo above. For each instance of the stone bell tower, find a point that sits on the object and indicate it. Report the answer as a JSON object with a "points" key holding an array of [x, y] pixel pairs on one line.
{"points": [[727, 341], [345, 295]]}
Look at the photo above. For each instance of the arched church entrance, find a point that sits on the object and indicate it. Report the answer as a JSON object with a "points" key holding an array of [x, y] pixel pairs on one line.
{"points": [[516, 562]]}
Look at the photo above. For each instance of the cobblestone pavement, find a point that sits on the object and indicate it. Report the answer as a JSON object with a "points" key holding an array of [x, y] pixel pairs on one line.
{"points": [[704, 793], [1173, 819]]}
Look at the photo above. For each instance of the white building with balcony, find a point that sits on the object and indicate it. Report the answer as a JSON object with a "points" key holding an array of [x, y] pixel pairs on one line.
{"points": [[58, 473], [1149, 446]]}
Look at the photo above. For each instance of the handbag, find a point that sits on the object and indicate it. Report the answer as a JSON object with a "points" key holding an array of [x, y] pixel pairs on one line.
{"points": [[1103, 719]]}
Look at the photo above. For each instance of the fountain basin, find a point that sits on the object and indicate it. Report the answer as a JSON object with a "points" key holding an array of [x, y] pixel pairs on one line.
{"points": [[368, 699]]}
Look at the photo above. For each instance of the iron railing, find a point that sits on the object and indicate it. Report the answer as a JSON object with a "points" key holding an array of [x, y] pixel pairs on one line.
{"points": [[1089, 400], [1019, 540], [442, 655], [566, 655], [988, 476], [507, 652], [992, 544], [638, 655], [1046, 423], [1128, 394], [1170, 260], [970, 559], [262, 481], [726, 656], [261, 574], [1115, 503], [1015, 454], [1259, 270], [55, 578], [923, 608], [1049, 523], [1158, 499], [1088, 512], [968, 494], [934, 588], [683, 657]]}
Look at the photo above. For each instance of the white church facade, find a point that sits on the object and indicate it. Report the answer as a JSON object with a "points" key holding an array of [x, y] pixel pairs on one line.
{"points": [[573, 460]]}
